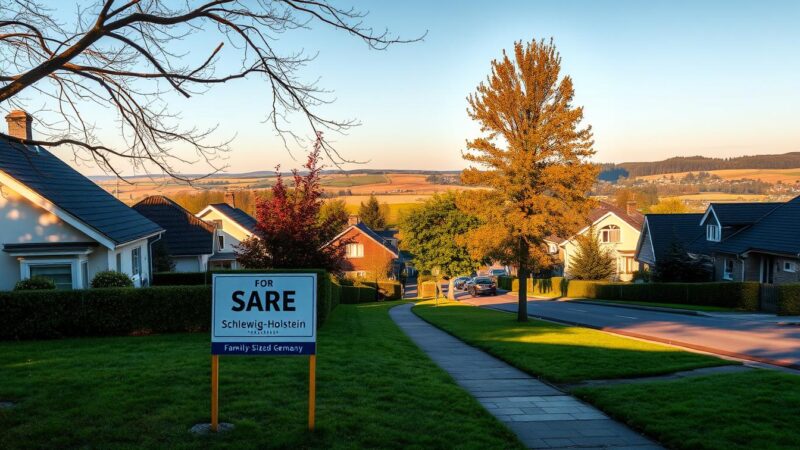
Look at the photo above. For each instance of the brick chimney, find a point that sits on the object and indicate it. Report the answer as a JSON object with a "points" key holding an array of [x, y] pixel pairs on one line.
{"points": [[631, 208], [353, 219], [19, 124], [230, 199]]}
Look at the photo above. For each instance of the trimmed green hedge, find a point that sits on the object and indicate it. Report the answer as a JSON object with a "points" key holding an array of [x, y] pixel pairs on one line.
{"points": [[127, 311], [104, 312], [427, 289], [789, 300], [541, 287], [358, 294], [737, 295], [181, 278]]}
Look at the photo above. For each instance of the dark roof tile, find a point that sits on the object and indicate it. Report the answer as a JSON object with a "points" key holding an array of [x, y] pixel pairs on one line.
{"points": [[185, 235], [56, 181]]}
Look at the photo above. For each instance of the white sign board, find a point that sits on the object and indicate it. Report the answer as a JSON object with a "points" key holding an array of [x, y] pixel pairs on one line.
{"points": [[264, 314]]}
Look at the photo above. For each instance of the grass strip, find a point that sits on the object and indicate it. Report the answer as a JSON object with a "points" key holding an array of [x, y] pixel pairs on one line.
{"points": [[559, 353]]}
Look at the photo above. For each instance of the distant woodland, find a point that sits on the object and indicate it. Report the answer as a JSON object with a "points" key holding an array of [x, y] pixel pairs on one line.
{"points": [[612, 172]]}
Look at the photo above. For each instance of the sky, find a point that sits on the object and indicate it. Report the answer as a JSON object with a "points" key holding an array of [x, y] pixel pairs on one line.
{"points": [[656, 79]]}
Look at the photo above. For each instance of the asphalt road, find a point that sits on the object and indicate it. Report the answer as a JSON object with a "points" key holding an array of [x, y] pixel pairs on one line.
{"points": [[738, 335]]}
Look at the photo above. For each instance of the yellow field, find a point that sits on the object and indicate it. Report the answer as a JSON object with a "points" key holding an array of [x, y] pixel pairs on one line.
{"points": [[720, 197], [786, 176]]}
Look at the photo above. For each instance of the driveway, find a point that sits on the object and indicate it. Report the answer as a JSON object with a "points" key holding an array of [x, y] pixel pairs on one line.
{"points": [[744, 336]]}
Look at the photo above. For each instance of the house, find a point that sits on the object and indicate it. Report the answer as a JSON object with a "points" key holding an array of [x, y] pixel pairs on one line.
{"points": [[368, 254], [754, 241], [232, 226], [188, 241], [661, 231], [57, 223], [745, 241], [618, 230]]}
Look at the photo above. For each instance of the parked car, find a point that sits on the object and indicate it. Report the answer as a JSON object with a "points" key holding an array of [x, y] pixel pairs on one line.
{"points": [[494, 273], [459, 282], [481, 286]]}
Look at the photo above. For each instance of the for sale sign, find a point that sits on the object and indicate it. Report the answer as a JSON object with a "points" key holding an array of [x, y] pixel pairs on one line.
{"points": [[264, 314]]}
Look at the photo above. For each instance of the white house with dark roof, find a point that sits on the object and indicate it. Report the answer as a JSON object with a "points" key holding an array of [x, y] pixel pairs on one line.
{"points": [[618, 231], [232, 226], [57, 223], [188, 241]]}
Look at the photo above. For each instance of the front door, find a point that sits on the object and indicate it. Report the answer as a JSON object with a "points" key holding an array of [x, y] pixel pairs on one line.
{"points": [[767, 269]]}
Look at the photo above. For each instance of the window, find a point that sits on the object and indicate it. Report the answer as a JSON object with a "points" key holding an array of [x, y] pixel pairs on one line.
{"points": [[552, 248], [630, 265], [789, 266], [609, 234], [220, 241], [61, 274], [119, 262], [713, 233], [727, 272], [355, 250], [136, 261]]}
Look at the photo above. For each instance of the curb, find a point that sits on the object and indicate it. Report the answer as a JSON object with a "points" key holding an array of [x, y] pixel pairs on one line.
{"points": [[685, 312]]}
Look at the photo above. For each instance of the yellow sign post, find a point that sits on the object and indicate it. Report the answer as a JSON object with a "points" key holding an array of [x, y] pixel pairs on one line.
{"points": [[312, 390], [214, 393]]}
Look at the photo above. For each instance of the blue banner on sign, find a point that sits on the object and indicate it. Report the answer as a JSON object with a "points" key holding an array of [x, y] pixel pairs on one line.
{"points": [[271, 348]]}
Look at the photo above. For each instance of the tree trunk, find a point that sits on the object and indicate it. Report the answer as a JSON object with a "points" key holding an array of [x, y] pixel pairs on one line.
{"points": [[451, 289], [522, 273]]}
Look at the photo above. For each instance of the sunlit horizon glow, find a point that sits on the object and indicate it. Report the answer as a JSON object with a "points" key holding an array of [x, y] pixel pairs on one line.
{"points": [[656, 79]]}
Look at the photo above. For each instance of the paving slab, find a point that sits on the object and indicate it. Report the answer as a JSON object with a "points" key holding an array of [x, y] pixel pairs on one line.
{"points": [[540, 415]]}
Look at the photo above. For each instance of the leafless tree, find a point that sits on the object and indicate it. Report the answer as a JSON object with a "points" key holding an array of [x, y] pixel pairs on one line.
{"points": [[129, 56]]}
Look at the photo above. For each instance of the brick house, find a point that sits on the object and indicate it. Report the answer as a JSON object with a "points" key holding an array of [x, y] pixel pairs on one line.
{"points": [[368, 255]]}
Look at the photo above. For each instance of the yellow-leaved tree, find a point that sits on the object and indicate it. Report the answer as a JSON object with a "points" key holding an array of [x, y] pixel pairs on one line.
{"points": [[533, 153]]}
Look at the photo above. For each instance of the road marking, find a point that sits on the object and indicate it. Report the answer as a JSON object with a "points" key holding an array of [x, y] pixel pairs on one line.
{"points": [[575, 309], [627, 317]]}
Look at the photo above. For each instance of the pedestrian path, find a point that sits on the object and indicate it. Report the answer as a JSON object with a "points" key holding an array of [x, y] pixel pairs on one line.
{"points": [[540, 415]]}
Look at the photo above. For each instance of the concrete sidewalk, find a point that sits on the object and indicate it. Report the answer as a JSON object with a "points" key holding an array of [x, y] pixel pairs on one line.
{"points": [[542, 416]]}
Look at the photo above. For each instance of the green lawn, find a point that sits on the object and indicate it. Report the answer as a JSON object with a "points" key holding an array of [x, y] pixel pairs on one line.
{"points": [[667, 305], [376, 389], [757, 409], [559, 353]]}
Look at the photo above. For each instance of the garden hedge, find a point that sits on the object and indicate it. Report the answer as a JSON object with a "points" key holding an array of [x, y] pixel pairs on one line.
{"points": [[738, 295], [789, 300], [358, 294], [427, 289], [540, 287], [125, 311]]}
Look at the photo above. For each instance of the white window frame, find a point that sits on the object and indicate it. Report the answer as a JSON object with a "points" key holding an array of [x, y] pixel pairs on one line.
{"points": [[552, 248], [221, 241], [354, 250], [727, 275], [136, 262], [75, 264], [789, 266], [606, 233], [713, 232]]}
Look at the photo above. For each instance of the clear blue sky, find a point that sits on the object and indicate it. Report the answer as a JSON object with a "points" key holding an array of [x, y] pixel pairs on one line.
{"points": [[656, 78]]}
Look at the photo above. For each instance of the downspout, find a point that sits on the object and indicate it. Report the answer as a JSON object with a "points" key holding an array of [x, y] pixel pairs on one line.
{"points": [[742, 260]]}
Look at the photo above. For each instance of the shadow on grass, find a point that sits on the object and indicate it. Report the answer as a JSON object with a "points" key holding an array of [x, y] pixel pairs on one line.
{"points": [[560, 353]]}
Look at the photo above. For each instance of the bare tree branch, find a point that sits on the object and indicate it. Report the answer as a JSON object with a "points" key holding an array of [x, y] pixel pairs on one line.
{"points": [[128, 57]]}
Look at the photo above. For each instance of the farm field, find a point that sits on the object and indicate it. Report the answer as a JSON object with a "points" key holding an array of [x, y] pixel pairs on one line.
{"points": [[392, 188], [786, 176]]}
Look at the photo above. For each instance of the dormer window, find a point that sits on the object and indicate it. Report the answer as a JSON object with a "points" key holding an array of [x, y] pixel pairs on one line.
{"points": [[610, 234], [713, 232]]}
